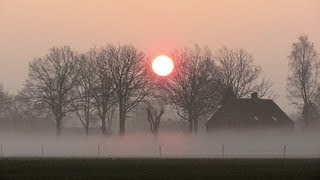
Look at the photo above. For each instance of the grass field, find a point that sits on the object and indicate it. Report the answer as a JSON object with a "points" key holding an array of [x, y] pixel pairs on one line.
{"points": [[90, 168]]}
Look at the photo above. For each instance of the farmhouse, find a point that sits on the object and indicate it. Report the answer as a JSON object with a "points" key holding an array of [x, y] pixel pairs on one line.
{"points": [[249, 113]]}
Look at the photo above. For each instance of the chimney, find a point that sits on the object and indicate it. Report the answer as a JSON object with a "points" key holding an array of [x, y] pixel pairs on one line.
{"points": [[229, 95], [254, 96]]}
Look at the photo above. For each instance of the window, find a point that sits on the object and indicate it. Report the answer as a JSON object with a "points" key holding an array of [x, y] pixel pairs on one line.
{"points": [[274, 118]]}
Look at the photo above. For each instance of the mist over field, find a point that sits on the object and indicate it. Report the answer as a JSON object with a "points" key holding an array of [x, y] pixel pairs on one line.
{"points": [[250, 144], [77, 79]]}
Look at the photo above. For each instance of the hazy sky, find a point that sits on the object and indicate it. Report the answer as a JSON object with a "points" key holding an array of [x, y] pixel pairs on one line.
{"points": [[264, 28]]}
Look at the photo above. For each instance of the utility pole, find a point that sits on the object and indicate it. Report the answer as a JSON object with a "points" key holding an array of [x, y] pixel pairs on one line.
{"points": [[42, 150], [222, 150], [98, 150]]}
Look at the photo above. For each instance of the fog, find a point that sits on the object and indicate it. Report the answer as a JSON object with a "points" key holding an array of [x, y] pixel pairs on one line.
{"points": [[250, 144]]}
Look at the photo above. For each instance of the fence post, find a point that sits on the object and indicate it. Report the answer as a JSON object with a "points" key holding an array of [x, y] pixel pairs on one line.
{"points": [[42, 150], [160, 150], [284, 151], [98, 150], [222, 150]]}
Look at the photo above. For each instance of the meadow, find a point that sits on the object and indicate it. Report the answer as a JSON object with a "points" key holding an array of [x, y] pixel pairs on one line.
{"points": [[157, 168]]}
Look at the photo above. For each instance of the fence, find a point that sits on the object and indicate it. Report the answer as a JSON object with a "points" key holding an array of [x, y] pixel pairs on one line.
{"points": [[152, 151]]}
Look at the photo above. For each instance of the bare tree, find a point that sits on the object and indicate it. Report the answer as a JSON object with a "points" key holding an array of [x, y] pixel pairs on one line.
{"points": [[24, 110], [5, 101], [102, 91], [194, 87], [83, 102], [154, 104], [23, 106], [154, 117], [239, 72], [129, 78], [303, 79], [51, 81]]}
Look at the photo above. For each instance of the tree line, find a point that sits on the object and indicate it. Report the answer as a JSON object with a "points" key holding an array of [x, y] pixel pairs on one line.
{"points": [[112, 80]]}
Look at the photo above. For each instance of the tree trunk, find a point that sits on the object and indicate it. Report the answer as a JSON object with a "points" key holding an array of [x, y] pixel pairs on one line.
{"points": [[156, 128], [304, 114], [122, 125], [190, 126], [87, 131], [195, 126], [58, 126], [122, 118], [103, 126], [155, 133], [191, 123]]}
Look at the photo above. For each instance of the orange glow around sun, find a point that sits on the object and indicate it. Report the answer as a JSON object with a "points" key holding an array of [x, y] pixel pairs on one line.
{"points": [[162, 65]]}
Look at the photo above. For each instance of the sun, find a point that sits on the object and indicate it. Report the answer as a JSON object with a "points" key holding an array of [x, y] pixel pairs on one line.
{"points": [[162, 65]]}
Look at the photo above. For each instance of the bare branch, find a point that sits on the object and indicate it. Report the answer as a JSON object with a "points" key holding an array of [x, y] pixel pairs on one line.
{"points": [[239, 72]]}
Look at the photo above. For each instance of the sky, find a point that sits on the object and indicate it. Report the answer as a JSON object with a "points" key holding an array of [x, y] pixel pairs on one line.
{"points": [[265, 28]]}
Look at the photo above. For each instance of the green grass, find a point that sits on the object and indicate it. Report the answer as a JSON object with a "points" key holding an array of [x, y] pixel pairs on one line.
{"points": [[86, 168]]}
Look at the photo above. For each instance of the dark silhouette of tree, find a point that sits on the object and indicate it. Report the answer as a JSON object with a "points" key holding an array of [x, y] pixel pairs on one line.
{"points": [[83, 100], [194, 87], [303, 79], [51, 81], [23, 106], [5, 102], [102, 91], [239, 72], [154, 117], [24, 110], [154, 105], [129, 78]]}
